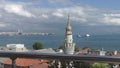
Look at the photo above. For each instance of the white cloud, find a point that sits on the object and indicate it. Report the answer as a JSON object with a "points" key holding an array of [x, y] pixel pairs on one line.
{"points": [[57, 14], [2, 3], [58, 1], [112, 19], [76, 13], [77, 10], [17, 9], [3, 24], [115, 20], [114, 15], [78, 19], [44, 16], [0, 15], [72, 10], [84, 15]]}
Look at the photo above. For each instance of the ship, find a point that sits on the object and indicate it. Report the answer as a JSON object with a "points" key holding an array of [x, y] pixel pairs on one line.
{"points": [[87, 35]]}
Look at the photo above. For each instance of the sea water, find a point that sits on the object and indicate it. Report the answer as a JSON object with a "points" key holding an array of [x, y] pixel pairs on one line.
{"points": [[108, 42]]}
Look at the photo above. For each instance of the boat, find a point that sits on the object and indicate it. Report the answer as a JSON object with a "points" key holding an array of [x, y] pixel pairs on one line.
{"points": [[87, 35], [78, 35]]}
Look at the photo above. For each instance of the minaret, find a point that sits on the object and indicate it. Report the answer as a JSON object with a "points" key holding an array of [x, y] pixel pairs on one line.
{"points": [[69, 46]]}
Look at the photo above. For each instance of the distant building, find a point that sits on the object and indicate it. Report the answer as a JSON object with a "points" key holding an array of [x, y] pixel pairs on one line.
{"points": [[84, 51], [3, 59], [69, 46], [14, 47], [27, 63], [88, 51], [102, 52], [48, 50]]}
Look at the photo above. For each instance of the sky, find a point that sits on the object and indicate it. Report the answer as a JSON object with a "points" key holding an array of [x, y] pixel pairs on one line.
{"points": [[86, 16]]}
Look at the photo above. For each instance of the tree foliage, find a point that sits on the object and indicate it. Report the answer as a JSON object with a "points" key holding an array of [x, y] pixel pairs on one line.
{"points": [[77, 48], [37, 45], [100, 65], [78, 64]]}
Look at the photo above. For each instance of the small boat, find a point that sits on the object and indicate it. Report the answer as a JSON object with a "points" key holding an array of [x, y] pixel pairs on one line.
{"points": [[87, 35], [79, 36]]}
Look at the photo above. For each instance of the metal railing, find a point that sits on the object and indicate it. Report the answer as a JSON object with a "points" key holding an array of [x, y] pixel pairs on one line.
{"points": [[67, 57]]}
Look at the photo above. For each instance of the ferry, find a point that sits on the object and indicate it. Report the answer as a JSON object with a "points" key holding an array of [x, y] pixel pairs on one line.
{"points": [[87, 35]]}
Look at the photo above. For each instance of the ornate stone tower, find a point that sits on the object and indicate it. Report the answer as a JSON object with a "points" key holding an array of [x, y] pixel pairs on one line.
{"points": [[69, 46]]}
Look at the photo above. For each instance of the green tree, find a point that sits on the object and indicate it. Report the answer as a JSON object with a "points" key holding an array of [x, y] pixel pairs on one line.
{"points": [[78, 64], [77, 48], [37, 45], [100, 65], [61, 47]]}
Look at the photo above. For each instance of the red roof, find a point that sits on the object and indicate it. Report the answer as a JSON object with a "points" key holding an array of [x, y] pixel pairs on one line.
{"points": [[118, 55], [26, 62]]}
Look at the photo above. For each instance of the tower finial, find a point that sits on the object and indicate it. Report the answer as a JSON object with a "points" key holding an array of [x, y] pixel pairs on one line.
{"points": [[68, 22], [68, 18]]}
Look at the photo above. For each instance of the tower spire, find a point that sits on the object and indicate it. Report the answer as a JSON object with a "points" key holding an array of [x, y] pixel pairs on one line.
{"points": [[68, 27], [68, 18], [68, 22]]}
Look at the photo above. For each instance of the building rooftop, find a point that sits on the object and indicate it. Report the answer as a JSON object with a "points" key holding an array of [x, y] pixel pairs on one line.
{"points": [[26, 62], [3, 59]]}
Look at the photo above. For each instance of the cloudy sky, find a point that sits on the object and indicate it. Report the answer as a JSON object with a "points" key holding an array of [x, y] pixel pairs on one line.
{"points": [[86, 16]]}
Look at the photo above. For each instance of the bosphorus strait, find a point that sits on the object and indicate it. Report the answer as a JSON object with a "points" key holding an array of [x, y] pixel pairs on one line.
{"points": [[108, 42]]}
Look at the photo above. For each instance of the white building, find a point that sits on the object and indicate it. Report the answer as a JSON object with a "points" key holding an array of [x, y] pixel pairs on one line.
{"points": [[69, 46], [48, 50], [14, 48], [102, 52]]}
